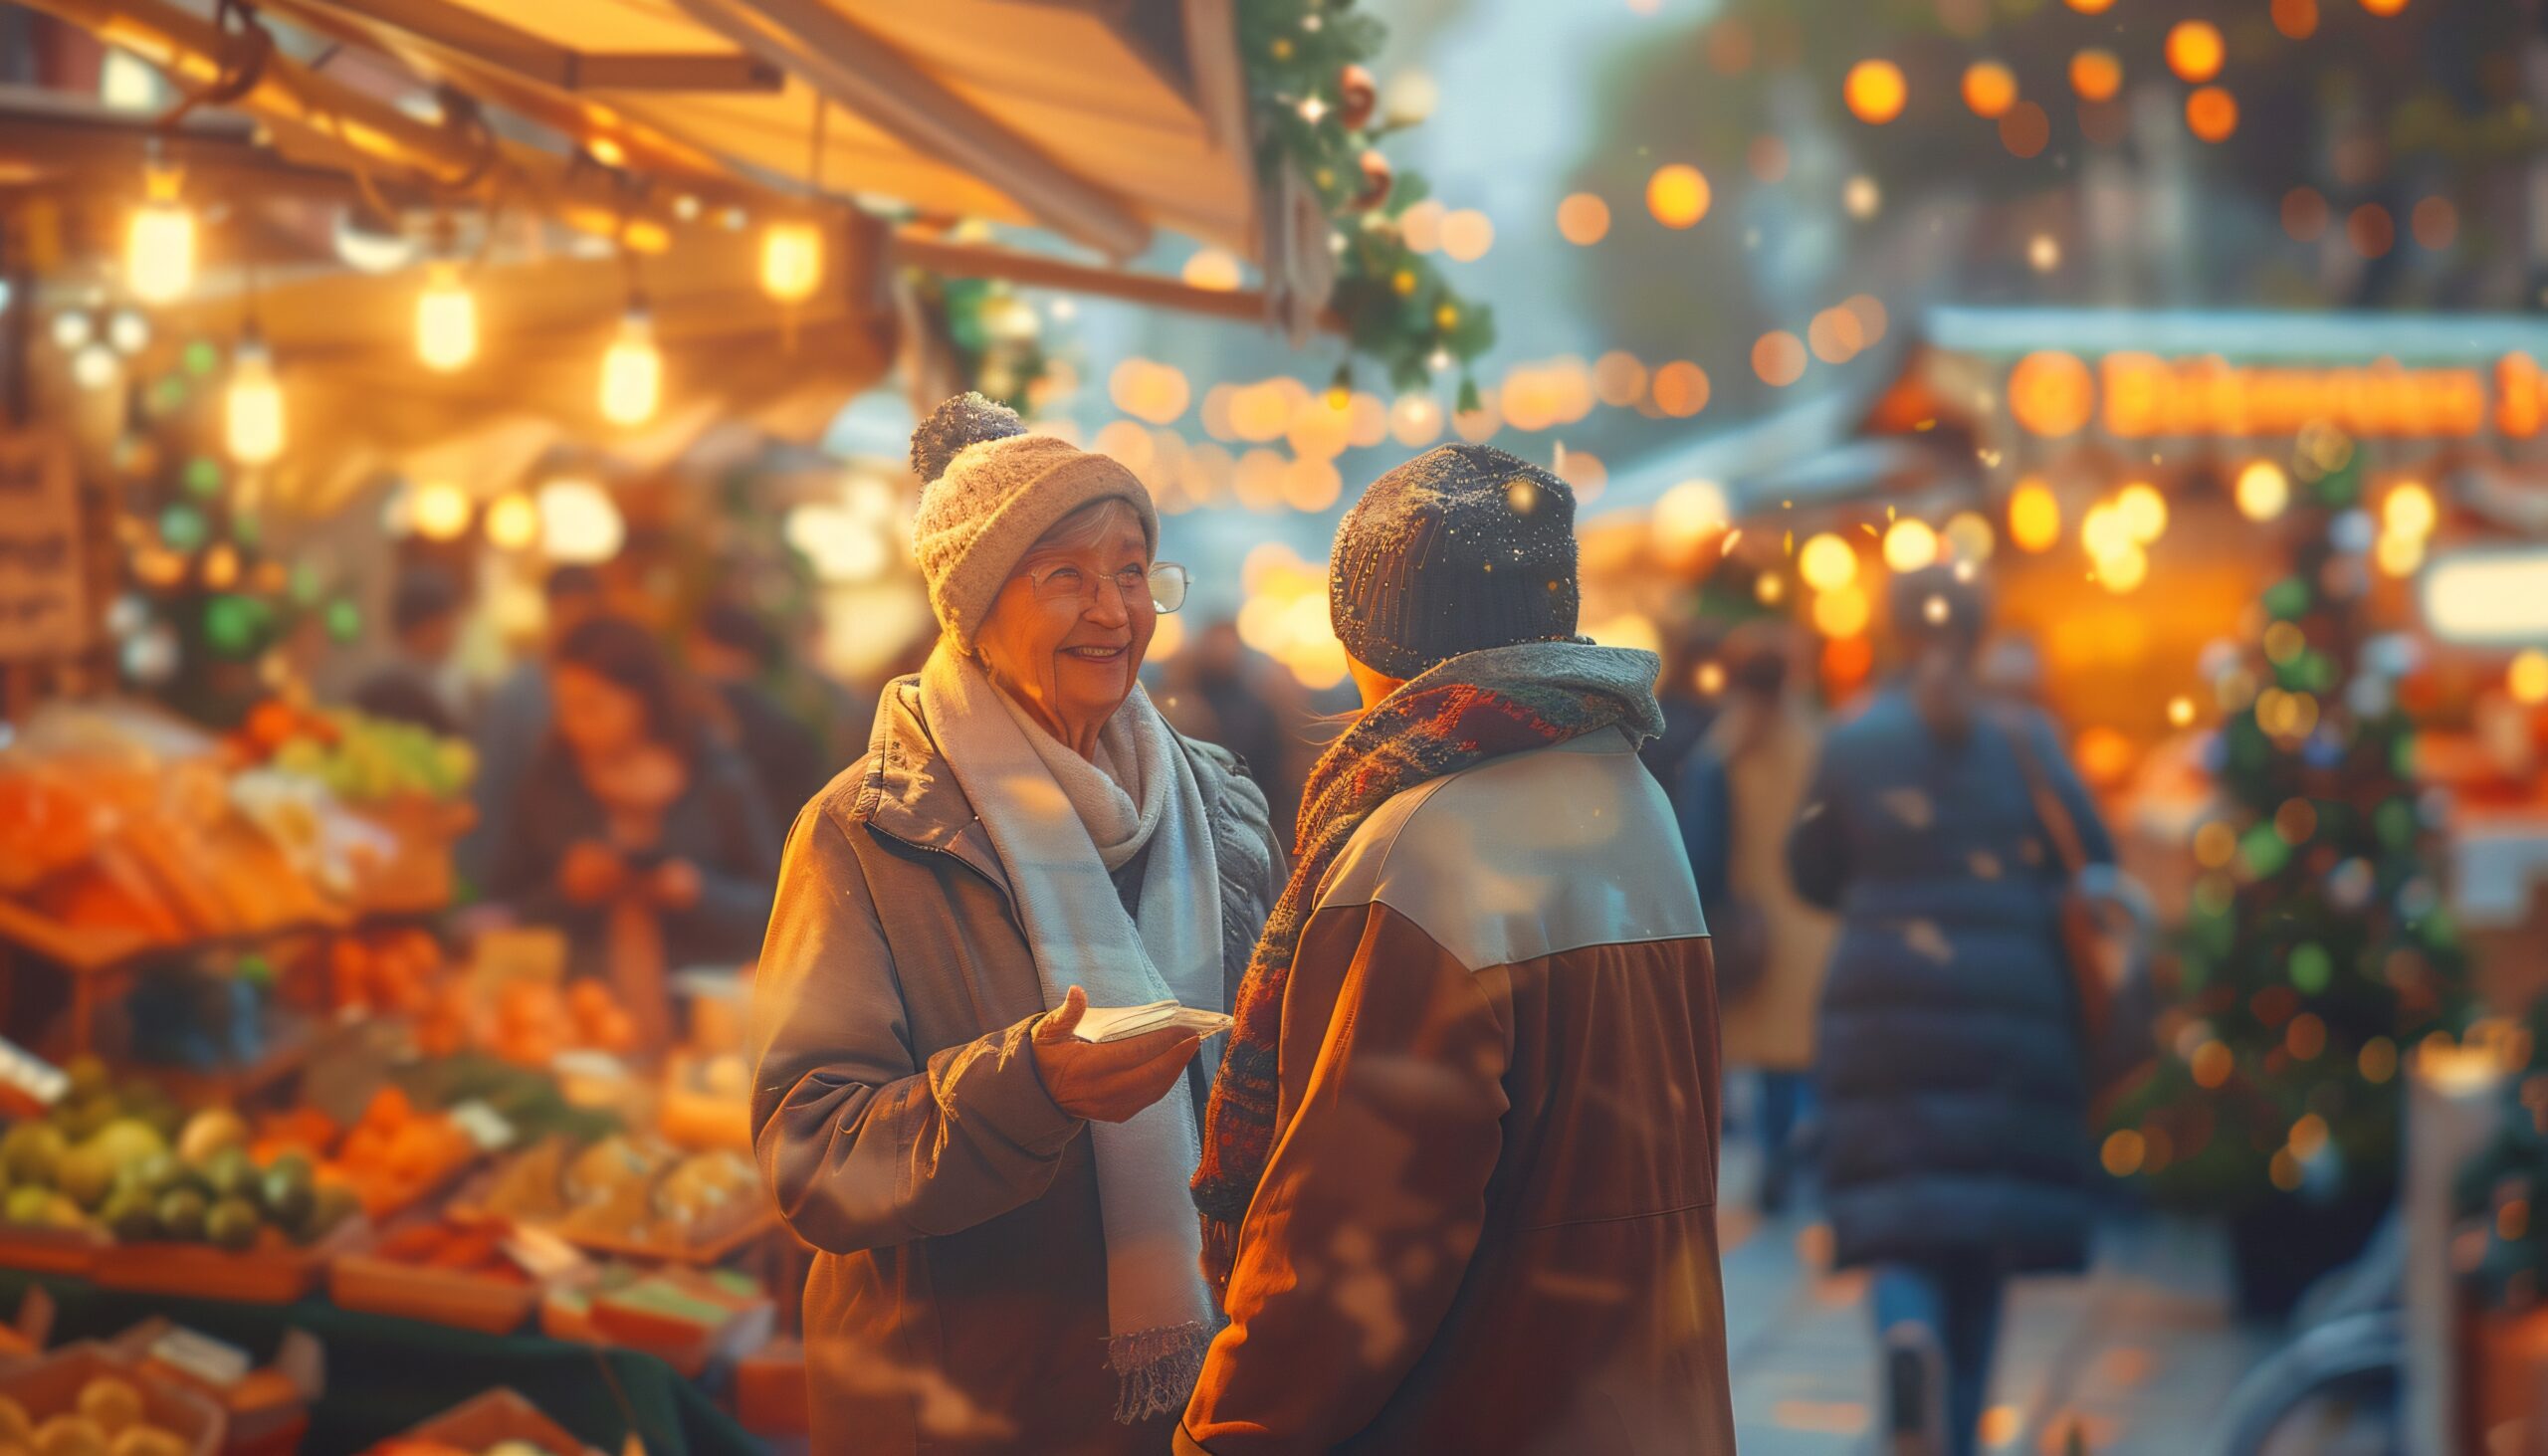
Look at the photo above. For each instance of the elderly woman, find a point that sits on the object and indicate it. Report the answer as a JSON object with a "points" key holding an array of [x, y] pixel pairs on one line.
{"points": [[1008, 1261]]}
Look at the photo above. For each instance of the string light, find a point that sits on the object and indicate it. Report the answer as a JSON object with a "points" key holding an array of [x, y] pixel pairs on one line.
{"points": [[791, 260], [1910, 545], [2035, 516], [159, 239], [2263, 491], [513, 521], [252, 410], [445, 320], [440, 511], [1875, 92], [1827, 563], [632, 371]]}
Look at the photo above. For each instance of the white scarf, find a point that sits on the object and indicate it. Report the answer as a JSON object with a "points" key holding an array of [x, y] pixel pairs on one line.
{"points": [[1060, 825]]}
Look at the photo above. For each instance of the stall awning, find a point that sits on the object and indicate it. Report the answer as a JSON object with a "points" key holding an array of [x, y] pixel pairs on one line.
{"points": [[2242, 335]]}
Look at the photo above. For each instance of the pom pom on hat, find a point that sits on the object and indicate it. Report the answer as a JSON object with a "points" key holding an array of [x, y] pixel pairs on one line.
{"points": [[966, 419]]}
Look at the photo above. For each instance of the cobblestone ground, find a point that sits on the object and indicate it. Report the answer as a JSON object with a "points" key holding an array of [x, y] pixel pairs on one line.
{"points": [[2140, 1355]]}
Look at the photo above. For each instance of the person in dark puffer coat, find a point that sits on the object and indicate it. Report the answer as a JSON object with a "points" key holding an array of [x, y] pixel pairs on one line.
{"points": [[1957, 1145]]}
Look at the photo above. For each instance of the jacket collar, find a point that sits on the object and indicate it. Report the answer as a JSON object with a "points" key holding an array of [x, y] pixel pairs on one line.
{"points": [[911, 795]]}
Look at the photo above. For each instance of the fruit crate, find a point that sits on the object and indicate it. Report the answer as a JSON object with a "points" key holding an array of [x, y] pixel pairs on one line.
{"points": [[498, 1417], [41, 1249], [277, 1272], [53, 1384]]}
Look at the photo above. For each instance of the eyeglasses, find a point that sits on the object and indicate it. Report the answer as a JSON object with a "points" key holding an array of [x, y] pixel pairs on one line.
{"points": [[1167, 583]]}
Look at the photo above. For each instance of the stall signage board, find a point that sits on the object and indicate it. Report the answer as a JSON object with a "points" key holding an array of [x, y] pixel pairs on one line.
{"points": [[42, 598], [2140, 396]]}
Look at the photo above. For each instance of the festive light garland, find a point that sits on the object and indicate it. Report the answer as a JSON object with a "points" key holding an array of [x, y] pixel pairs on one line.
{"points": [[1318, 111]]}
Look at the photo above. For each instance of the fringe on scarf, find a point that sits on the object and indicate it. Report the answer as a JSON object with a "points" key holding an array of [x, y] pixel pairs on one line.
{"points": [[1158, 1368]]}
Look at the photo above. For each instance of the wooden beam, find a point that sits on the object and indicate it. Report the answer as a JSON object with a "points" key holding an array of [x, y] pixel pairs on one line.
{"points": [[645, 147], [1034, 270], [886, 89], [292, 95], [459, 27]]}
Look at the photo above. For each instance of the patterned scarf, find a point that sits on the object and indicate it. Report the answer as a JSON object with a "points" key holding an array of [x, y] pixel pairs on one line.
{"points": [[1457, 715]]}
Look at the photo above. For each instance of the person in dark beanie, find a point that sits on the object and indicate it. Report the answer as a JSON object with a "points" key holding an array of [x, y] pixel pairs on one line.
{"points": [[1459, 1166], [415, 686], [729, 650], [1948, 1063]]}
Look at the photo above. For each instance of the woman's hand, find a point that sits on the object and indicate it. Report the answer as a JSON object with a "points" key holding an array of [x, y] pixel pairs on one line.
{"points": [[590, 873], [1105, 1082]]}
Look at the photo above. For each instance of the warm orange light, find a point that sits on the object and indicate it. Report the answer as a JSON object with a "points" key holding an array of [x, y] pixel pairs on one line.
{"points": [[2305, 214], [2052, 393], [2372, 231], [2024, 129], [1677, 195], [1583, 219], [2384, 7], [1680, 389], [1990, 89], [2096, 75], [2035, 516], [2194, 50], [2091, 7], [2296, 19], [1836, 335], [1875, 92], [2211, 113], [2437, 223], [1779, 358]]}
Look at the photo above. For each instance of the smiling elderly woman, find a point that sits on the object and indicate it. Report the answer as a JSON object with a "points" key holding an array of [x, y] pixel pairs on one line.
{"points": [[1008, 1258]]}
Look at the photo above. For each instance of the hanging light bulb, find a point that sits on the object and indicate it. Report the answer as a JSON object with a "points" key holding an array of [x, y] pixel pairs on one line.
{"points": [[160, 241], [791, 260], [632, 371], [445, 320], [253, 409]]}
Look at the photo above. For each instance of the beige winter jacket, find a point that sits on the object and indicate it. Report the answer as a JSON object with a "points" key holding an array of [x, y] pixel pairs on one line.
{"points": [[958, 1301]]}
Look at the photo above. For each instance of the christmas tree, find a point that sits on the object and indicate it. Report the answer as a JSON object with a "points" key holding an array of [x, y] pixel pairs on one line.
{"points": [[2317, 950]]}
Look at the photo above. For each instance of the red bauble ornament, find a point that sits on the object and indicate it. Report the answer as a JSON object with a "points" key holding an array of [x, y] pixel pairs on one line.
{"points": [[1377, 181], [1357, 96]]}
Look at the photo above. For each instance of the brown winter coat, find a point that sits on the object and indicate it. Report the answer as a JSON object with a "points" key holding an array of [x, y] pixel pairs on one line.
{"points": [[1488, 1225], [958, 1301], [1767, 771]]}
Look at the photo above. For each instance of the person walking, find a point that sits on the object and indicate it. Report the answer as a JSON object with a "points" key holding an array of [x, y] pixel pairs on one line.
{"points": [[1949, 1069], [1459, 1169], [1740, 791], [1006, 1261]]}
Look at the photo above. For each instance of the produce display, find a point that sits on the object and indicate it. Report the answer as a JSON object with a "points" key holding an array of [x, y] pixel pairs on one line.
{"points": [[476, 1250], [387, 972], [360, 760], [126, 1163], [528, 1022], [627, 1192], [142, 831], [393, 1155], [107, 1418]]}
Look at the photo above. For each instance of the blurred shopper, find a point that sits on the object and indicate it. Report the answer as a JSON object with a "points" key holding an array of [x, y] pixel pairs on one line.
{"points": [[1007, 1259], [731, 651], [513, 725], [1687, 713], [1740, 792], [417, 684], [1217, 691], [1460, 1166], [1953, 1096], [634, 830]]}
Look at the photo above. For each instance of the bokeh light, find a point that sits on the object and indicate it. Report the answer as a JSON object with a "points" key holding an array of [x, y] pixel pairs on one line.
{"points": [[2296, 19], [1779, 358], [2096, 75], [2035, 516], [1826, 562], [2263, 489], [2371, 230], [2526, 678], [2305, 214], [1910, 545], [2211, 113], [1990, 89], [1875, 92], [1583, 219], [2194, 50], [2024, 129], [1680, 389], [1677, 195]]}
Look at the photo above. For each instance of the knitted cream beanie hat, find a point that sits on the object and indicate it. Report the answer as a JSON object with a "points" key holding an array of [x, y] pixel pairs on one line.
{"points": [[990, 491]]}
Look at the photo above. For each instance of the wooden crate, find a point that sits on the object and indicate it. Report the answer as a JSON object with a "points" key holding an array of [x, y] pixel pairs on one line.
{"points": [[485, 1420], [52, 1386]]}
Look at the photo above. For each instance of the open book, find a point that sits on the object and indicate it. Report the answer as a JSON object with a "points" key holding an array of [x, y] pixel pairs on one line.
{"points": [[1117, 1023]]}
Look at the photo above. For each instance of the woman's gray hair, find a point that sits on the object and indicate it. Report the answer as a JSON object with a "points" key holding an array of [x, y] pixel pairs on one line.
{"points": [[1092, 523]]}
